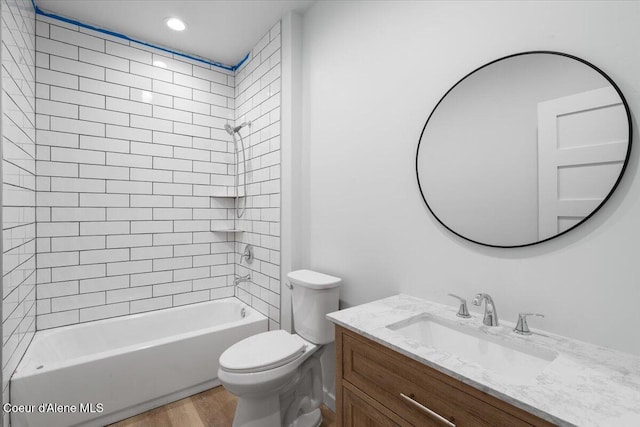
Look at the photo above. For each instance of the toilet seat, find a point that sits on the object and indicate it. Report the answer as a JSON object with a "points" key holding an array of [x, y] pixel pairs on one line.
{"points": [[261, 352]]}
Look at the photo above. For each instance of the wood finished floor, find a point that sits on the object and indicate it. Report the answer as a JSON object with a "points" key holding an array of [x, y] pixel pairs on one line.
{"points": [[211, 408]]}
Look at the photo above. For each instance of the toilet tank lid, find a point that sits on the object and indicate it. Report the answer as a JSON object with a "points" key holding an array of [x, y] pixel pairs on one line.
{"points": [[313, 279]]}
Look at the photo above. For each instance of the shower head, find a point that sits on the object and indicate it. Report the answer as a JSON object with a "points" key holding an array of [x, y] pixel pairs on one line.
{"points": [[231, 130]]}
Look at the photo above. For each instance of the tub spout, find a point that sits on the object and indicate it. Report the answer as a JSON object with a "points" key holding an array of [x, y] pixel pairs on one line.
{"points": [[241, 279]]}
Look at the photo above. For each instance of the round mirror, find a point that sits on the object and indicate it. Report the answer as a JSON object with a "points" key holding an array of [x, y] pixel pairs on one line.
{"points": [[524, 149]]}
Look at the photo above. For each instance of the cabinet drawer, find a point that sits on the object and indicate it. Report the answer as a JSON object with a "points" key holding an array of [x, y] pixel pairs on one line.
{"points": [[359, 411], [412, 389]]}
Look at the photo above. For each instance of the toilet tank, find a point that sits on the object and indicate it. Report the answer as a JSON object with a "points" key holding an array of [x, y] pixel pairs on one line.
{"points": [[314, 295]]}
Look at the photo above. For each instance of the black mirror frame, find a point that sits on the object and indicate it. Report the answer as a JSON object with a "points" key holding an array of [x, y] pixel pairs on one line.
{"points": [[613, 188]]}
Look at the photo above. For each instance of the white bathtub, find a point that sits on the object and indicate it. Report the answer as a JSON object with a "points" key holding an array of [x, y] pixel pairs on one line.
{"points": [[112, 369]]}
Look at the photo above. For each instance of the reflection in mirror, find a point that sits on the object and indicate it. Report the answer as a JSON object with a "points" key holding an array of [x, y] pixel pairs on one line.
{"points": [[523, 149]]}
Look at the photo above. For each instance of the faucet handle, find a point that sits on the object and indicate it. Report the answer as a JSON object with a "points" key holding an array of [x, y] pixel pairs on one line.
{"points": [[522, 327], [462, 311]]}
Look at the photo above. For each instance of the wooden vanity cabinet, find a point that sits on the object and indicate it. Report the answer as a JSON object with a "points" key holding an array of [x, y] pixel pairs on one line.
{"points": [[376, 386]]}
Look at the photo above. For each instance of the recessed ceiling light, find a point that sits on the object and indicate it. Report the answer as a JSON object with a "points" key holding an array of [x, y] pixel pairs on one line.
{"points": [[175, 24]]}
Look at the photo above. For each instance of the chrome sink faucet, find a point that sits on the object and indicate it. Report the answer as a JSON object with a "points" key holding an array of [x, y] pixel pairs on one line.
{"points": [[490, 313]]}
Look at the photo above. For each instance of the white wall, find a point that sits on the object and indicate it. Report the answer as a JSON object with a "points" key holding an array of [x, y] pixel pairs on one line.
{"points": [[372, 73], [130, 152], [258, 101], [19, 186], [132, 156], [292, 166]]}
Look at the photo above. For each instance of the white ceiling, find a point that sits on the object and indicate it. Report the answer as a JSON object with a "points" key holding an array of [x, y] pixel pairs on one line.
{"points": [[219, 30]]}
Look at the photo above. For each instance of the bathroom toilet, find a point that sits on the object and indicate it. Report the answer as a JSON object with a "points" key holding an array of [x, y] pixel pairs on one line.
{"points": [[276, 375]]}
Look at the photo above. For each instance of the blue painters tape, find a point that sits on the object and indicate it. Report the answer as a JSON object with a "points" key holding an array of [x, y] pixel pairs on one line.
{"points": [[239, 64], [125, 37]]}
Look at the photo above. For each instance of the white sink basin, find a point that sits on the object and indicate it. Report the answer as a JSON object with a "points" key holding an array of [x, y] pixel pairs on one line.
{"points": [[499, 355]]}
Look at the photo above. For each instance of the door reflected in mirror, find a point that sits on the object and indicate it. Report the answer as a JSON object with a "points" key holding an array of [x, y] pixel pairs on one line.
{"points": [[524, 149]]}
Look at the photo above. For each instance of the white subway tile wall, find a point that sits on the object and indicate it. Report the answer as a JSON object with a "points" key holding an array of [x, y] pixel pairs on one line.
{"points": [[129, 163], [19, 185], [128, 157], [257, 98]]}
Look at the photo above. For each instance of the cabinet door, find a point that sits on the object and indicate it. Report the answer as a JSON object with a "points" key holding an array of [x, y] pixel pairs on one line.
{"points": [[358, 413]]}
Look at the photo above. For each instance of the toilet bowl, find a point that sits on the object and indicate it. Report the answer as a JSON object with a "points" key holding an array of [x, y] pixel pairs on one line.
{"points": [[276, 375]]}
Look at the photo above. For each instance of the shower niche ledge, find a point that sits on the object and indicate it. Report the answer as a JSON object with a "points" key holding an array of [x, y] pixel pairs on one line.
{"points": [[225, 193], [226, 226], [227, 196]]}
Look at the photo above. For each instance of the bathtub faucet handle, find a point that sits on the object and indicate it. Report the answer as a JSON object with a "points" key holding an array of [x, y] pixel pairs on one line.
{"points": [[247, 255]]}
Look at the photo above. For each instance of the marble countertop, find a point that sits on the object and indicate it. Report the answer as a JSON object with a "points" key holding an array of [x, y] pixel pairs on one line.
{"points": [[585, 385]]}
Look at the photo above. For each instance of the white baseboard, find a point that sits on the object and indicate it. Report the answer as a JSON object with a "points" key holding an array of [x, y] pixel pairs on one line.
{"points": [[329, 400]]}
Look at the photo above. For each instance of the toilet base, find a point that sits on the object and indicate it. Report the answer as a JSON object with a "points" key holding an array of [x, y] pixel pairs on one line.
{"points": [[266, 413], [295, 405], [257, 412], [312, 419]]}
